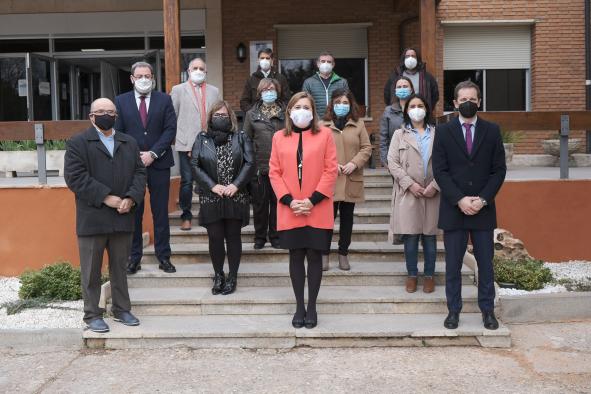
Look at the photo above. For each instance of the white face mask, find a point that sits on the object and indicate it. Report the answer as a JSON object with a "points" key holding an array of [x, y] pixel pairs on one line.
{"points": [[265, 64], [143, 85], [410, 63], [417, 114], [301, 117], [325, 68], [197, 76]]}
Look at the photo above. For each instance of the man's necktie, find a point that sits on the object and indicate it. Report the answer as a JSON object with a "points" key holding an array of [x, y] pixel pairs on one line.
{"points": [[468, 128], [143, 111]]}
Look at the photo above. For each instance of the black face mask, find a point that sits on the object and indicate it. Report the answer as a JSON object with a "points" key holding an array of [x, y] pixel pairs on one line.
{"points": [[221, 123], [468, 109], [104, 122]]}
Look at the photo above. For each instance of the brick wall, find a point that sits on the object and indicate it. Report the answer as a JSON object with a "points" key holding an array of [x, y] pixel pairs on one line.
{"points": [[558, 48], [243, 21]]}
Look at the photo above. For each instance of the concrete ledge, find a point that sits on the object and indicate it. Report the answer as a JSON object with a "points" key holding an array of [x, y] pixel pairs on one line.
{"points": [[540, 308], [46, 339]]}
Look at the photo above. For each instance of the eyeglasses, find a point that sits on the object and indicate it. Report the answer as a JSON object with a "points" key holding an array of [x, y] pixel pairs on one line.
{"points": [[220, 115], [103, 112]]}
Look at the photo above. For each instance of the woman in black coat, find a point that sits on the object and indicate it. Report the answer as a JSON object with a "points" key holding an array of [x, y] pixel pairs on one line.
{"points": [[223, 163]]}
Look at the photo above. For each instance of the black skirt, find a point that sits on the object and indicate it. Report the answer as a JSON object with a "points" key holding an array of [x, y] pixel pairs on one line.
{"points": [[305, 238], [223, 208]]}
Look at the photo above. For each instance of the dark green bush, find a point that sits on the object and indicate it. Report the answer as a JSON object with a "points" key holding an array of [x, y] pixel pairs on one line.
{"points": [[58, 281], [527, 274]]}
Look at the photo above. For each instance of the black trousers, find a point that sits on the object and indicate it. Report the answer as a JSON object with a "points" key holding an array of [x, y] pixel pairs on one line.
{"points": [[455, 247], [228, 230], [346, 210], [158, 185], [186, 187], [264, 206], [91, 250]]}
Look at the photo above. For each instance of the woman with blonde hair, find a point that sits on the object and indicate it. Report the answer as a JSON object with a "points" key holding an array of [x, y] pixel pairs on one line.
{"points": [[303, 171]]}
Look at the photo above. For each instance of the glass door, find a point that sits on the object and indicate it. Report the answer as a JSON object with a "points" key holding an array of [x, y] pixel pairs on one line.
{"points": [[41, 87], [13, 88]]}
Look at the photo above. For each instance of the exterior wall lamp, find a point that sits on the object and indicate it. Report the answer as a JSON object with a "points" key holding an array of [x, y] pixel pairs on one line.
{"points": [[241, 52]]}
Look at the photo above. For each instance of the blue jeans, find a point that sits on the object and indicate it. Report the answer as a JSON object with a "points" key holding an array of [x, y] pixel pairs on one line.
{"points": [[411, 253], [186, 189]]}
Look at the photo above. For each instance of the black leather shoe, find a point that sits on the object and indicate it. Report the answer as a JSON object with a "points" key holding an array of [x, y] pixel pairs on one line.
{"points": [[452, 320], [133, 267], [259, 244], [126, 318], [297, 321], [219, 280], [97, 325], [275, 244], [490, 321], [311, 319], [166, 266], [230, 285]]}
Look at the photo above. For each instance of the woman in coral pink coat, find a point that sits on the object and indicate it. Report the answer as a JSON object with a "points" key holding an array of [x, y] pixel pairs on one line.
{"points": [[303, 172]]}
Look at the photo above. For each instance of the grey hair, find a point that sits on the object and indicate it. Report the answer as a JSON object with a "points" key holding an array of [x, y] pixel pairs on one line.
{"points": [[194, 60], [141, 64]]}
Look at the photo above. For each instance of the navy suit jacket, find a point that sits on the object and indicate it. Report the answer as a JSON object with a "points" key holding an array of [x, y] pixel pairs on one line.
{"points": [[160, 131], [460, 174]]}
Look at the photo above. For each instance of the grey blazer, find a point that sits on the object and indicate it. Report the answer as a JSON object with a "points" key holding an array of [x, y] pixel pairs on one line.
{"points": [[188, 113]]}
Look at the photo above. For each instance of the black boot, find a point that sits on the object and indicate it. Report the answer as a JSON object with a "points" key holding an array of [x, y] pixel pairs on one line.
{"points": [[230, 285], [218, 283]]}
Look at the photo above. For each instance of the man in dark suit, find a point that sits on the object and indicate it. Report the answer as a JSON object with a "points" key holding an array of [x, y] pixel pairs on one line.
{"points": [[104, 170], [148, 116], [469, 167]]}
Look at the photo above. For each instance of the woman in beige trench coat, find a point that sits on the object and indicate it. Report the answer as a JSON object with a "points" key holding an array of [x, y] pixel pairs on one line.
{"points": [[353, 151], [415, 194]]}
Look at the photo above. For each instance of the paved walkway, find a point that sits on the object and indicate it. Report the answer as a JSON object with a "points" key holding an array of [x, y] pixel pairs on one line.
{"points": [[513, 174], [552, 358]]}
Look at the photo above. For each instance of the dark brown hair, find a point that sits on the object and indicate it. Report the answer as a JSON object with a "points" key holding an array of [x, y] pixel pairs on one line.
{"points": [[407, 79], [219, 105], [289, 123], [354, 108], [427, 120]]}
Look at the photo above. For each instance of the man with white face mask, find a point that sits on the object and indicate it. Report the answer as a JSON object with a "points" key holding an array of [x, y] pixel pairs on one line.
{"points": [[413, 68], [265, 70], [324, 82], [148, 116], [192, 101]]}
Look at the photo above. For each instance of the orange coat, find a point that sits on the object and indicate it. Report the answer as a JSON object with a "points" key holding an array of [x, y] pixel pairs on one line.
{"points": [[319, 173]]}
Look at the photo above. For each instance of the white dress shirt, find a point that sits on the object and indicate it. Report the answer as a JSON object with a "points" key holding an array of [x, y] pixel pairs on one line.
{"points": [[138, 100], [472, 126]]}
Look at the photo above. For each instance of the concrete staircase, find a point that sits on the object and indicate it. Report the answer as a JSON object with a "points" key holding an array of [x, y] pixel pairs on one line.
{"points": [[366, 306]]}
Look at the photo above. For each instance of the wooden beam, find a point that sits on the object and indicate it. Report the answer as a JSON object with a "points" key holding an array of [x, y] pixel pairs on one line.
{"points": [[427, 21], [172, 42], [532, 121], [52, 130]]}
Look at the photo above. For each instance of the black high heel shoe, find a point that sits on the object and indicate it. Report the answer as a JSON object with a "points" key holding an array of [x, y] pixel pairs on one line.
{"points": [[218, 283], [311, 320], [298, 322]]}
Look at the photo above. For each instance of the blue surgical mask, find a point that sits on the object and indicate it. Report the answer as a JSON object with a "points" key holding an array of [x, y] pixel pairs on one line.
{"points": [[269, 96], [403, 93], [341, 110]]}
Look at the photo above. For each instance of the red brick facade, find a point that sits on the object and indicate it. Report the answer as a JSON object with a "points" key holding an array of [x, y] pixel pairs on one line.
{"points": [[558, 68]]}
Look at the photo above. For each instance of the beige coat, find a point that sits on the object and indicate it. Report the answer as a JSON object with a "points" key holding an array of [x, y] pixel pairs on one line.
{"points": [[411, 215], [352, 146]]}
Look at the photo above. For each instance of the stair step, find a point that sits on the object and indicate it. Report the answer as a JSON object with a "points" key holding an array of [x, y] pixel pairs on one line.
{"points": [[280, 300], [377, 232], [358, 251], [277, 274], [379, 215], [275, 331]]}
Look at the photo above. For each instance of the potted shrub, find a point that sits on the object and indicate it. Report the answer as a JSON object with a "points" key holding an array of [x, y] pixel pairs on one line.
{"points": [[510, 138], [552, 146], [525, 274], [21, 156]]}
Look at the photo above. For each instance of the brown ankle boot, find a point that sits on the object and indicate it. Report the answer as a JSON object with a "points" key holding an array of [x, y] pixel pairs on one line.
{"points": [[411, 284], [428, 284], [344, 263]]}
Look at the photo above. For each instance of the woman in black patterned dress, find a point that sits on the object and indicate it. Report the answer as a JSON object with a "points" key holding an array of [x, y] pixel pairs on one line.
{"points": [[223, 164]]}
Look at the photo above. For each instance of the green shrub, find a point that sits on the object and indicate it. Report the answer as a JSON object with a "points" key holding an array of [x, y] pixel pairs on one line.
{"points": [[58, 281], [527, 274], [30, 145], [511, 137]]}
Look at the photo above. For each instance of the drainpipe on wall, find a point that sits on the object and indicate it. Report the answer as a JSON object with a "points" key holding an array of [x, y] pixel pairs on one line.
{"points": [[588, 65]]}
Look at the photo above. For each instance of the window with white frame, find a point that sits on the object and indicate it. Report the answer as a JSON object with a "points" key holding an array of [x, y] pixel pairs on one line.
{"points": [[495, 57]]}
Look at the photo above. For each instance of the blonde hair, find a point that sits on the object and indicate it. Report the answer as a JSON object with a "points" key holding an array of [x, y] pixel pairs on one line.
{"points": [[219, 105], [289, 123]]}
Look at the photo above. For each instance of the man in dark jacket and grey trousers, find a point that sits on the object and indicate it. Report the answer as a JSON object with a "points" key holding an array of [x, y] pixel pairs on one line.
{"points": [[104, 170], [265, 70]]}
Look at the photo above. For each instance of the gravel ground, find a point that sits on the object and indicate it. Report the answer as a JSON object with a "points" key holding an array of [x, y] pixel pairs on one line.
{"points": [[56, 315]]}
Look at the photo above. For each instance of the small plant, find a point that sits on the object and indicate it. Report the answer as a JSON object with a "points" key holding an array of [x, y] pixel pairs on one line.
{"points": [[526, 274], [511, 137], [30, 145], [58, 281]]}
